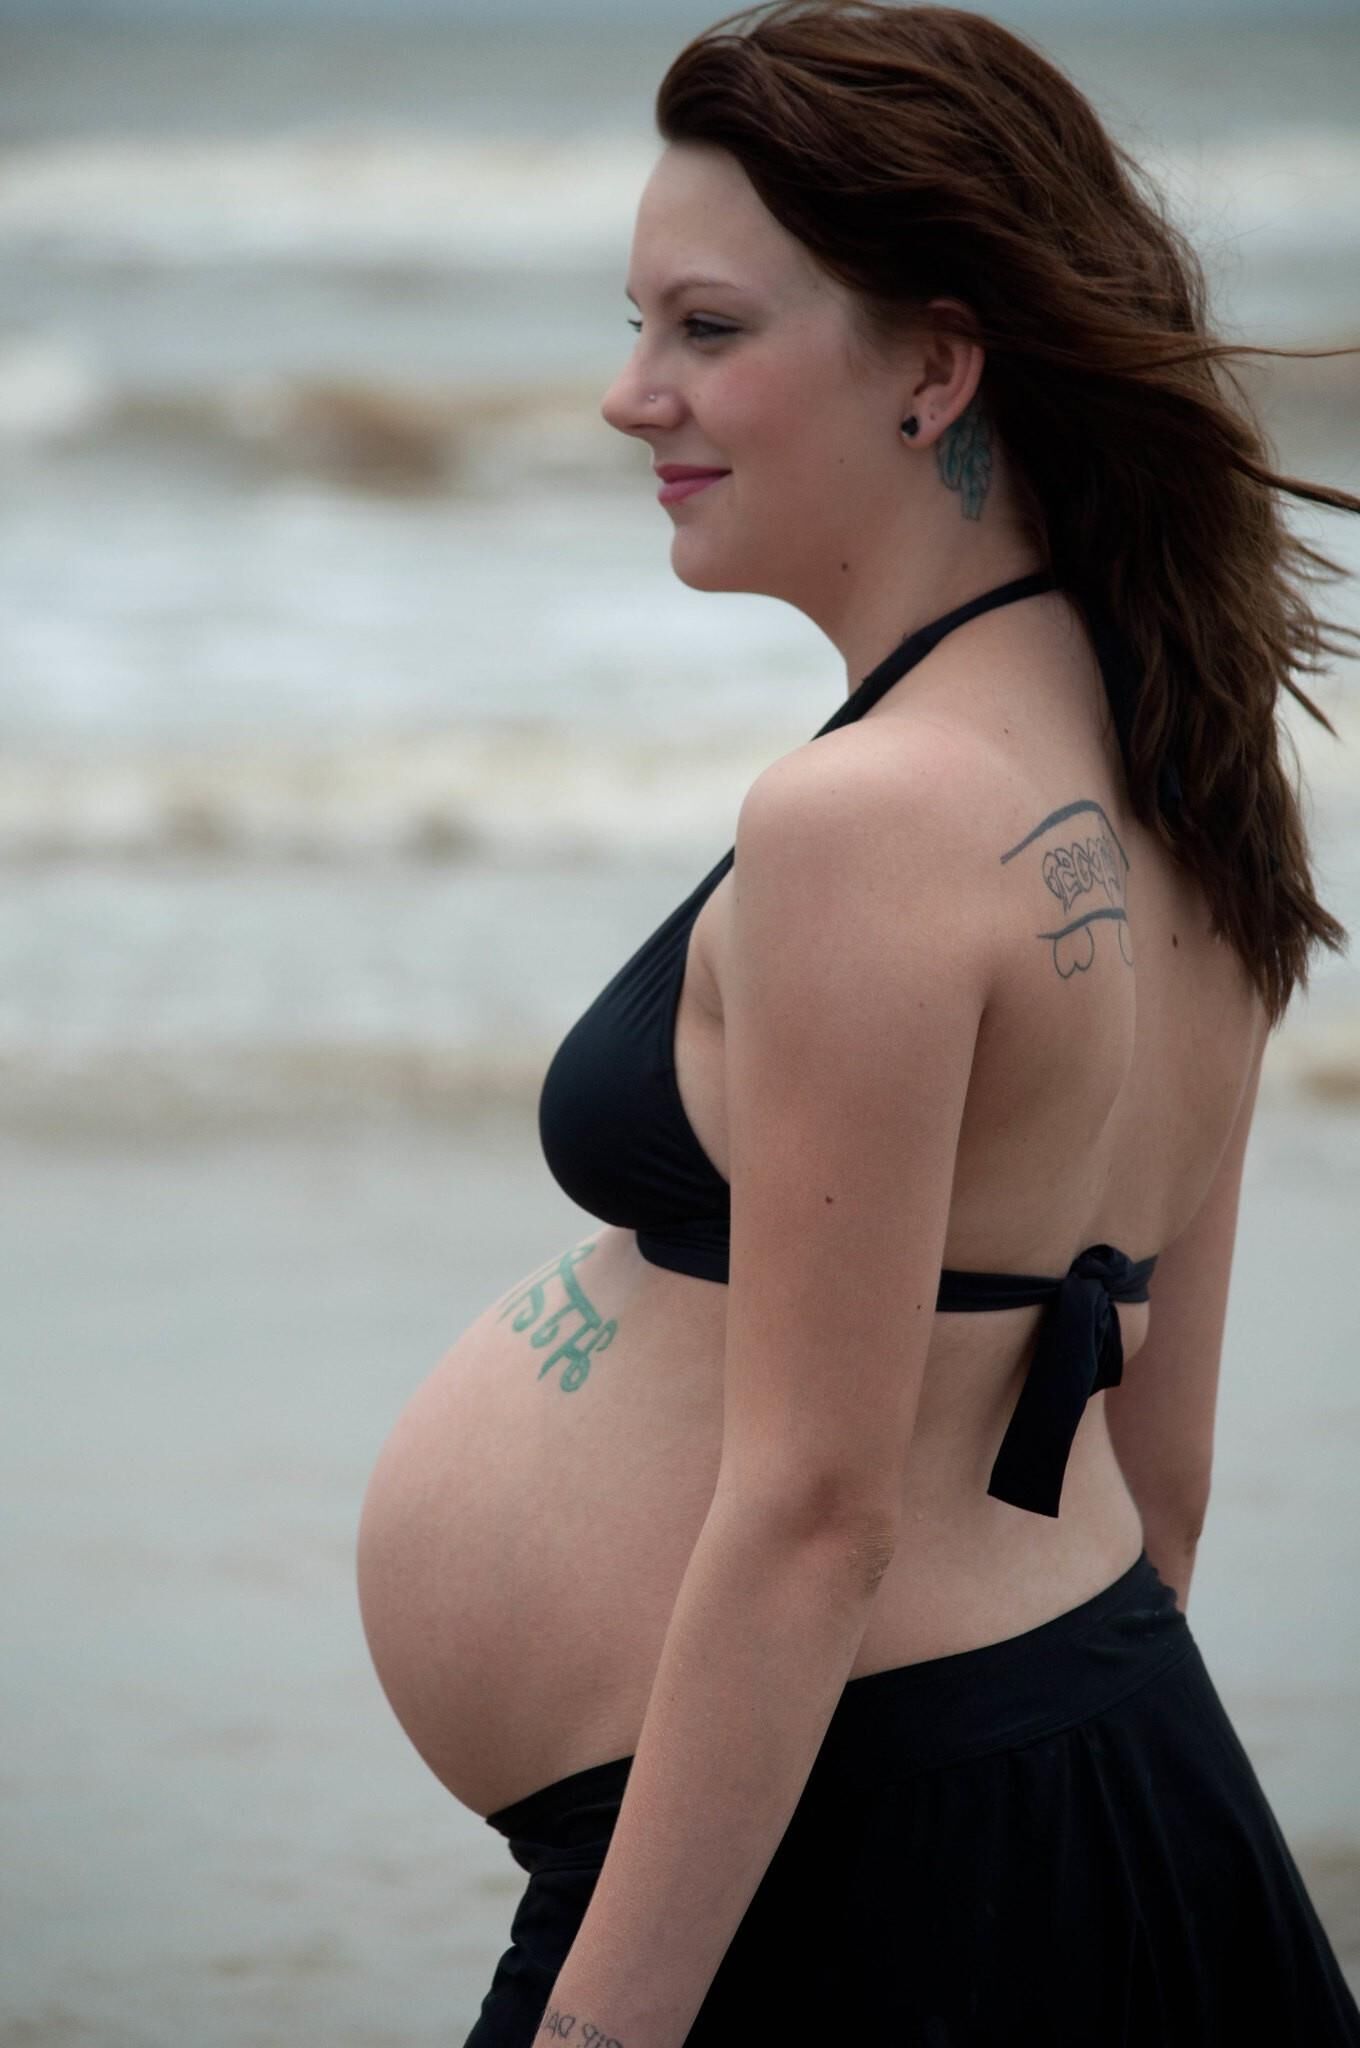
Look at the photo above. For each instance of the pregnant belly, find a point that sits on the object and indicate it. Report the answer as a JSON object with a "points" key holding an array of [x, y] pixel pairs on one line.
{"points": [[528, 1521]]}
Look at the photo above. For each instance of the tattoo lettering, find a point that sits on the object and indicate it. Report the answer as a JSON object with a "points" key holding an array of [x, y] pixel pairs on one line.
{"points": [[562, 2027], [1074, 870], [963, 455], [1086, 865], [594, 1334]]}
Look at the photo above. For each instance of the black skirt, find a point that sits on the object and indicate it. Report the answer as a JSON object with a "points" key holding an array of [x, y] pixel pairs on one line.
{"points": [[1054, 1841]]}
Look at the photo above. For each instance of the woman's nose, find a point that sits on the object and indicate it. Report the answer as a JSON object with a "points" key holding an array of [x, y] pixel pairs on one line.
{"points": [[630, 407]]}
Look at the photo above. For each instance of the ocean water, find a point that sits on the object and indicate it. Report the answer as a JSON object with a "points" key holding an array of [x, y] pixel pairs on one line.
{"points": [[342, 671]]}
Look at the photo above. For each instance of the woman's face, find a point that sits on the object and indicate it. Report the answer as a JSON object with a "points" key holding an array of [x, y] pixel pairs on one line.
{"points": [[754, 373]]}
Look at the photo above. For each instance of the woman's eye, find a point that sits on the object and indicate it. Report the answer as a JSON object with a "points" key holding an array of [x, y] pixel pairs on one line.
{"points": [[699, 328]]}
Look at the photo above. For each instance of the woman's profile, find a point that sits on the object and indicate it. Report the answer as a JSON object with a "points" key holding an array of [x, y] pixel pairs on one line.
{"points": [[795, 1569]]}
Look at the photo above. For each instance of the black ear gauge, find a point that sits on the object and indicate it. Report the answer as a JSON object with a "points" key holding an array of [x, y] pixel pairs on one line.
{"points": [[911, 425]]}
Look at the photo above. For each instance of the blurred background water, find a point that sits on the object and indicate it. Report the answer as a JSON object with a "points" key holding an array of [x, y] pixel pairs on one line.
{"points": [[352, 729], [339, 644]]}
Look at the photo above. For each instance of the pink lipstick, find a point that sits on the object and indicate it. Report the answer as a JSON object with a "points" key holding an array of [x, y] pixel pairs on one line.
{"points": [[681, 480]]}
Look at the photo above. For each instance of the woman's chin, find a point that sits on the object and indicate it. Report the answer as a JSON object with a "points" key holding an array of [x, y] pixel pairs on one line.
{"points": [[704, 568]]}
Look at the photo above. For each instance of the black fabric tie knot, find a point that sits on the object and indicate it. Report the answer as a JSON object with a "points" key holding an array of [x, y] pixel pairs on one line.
{"points": [[1078, 1351]]}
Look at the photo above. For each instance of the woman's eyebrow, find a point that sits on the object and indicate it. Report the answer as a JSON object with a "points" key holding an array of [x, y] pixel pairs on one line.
{"points": [[683, 284]]}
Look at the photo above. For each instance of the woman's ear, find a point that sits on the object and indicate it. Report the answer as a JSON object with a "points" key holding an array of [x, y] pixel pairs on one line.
{"points": [[950, 365]]}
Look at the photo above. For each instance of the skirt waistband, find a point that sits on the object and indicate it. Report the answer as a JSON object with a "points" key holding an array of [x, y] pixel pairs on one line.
{"points": [[889, 1725]]}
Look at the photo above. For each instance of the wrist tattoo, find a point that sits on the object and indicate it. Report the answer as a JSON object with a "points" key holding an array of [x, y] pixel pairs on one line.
{"points": [[562, 2026]]}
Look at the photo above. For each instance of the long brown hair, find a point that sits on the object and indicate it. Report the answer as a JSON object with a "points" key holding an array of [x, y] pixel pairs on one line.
{"points": [[924, 151]]}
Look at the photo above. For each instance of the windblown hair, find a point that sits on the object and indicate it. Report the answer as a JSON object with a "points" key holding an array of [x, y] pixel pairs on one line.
{"points": [[921, 151]]}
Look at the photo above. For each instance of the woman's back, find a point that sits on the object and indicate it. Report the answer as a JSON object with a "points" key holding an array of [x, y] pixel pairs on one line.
{"points": [[1111, 1060]]}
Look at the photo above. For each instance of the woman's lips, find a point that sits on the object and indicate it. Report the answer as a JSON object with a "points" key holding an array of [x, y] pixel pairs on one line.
{"points": [[686, 486]]}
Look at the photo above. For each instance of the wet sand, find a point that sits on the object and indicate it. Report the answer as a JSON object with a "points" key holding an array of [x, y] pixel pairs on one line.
{"points": [[216, 1832]]}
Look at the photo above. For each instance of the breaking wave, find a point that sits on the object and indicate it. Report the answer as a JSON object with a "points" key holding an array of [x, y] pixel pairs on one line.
{"points": [[515, 793]]}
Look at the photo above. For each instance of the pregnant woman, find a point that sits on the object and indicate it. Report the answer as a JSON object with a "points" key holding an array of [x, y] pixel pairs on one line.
{"points": [[794, 1569]]}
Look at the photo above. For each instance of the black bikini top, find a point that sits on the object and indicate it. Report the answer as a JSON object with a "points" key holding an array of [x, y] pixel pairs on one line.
{"points": [[616, 1138]]}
